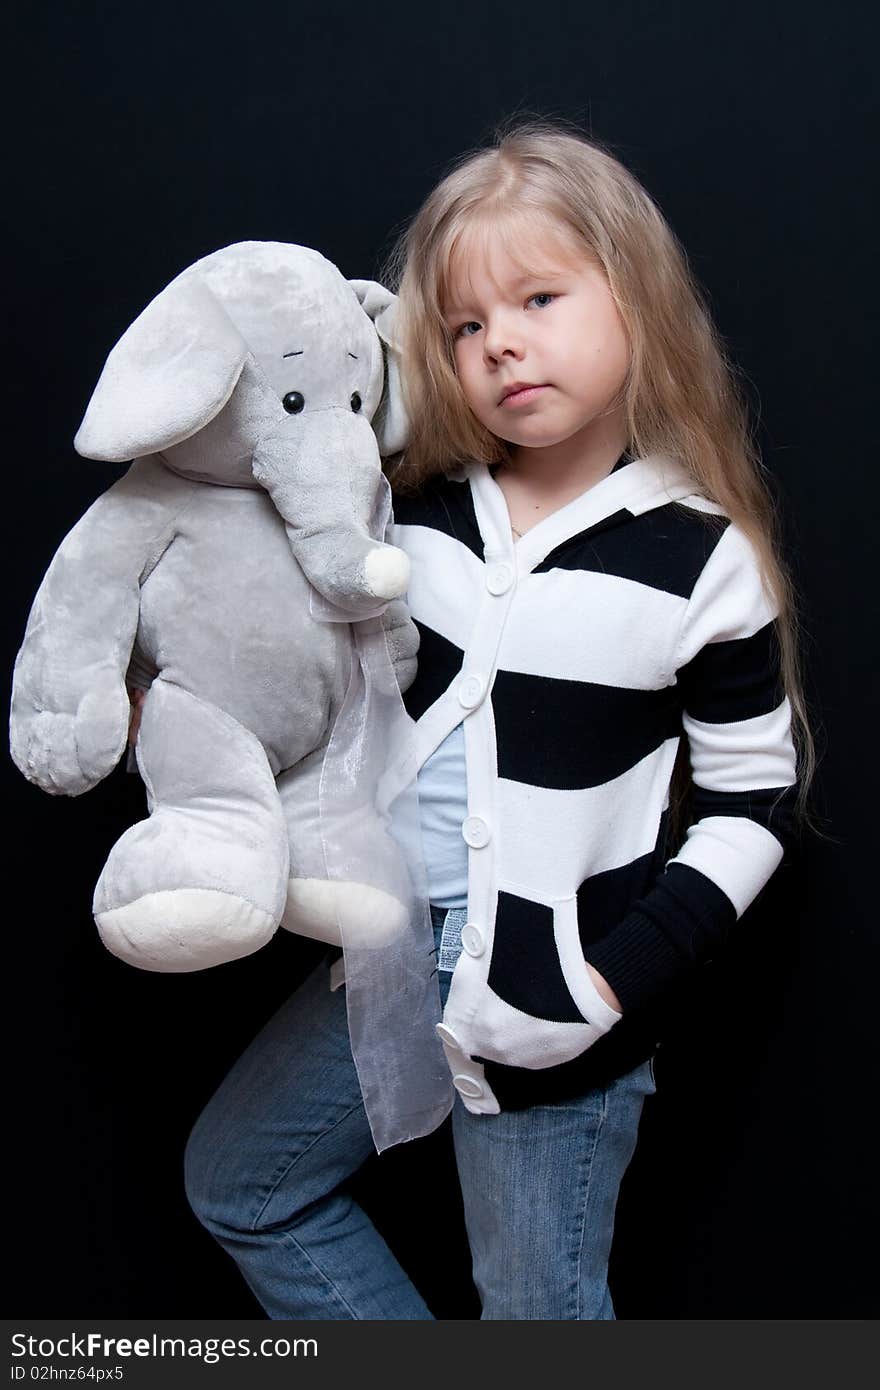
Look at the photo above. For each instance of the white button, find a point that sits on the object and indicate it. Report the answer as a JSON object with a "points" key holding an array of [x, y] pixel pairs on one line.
{"points": [[472, 940], [475, 832], [470, 691], [499, 579], [446, 1035], [467, 1086]]}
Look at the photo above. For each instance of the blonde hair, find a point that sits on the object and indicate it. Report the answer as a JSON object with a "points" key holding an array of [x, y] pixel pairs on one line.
{"points": [[681, 397]]}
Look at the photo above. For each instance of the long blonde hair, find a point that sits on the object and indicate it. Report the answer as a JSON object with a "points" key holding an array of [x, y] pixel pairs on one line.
{"points": [[681, 397]]}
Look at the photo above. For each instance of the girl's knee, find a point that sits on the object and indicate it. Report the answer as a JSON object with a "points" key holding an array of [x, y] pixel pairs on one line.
{"points": [[221, 1174], [205, 1183]]}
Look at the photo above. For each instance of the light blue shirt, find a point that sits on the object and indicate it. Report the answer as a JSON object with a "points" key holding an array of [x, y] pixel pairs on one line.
{"points": [[443, 808]]}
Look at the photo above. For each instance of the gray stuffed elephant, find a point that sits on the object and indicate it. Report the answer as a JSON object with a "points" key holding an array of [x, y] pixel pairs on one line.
{"points": [[223, 571]]}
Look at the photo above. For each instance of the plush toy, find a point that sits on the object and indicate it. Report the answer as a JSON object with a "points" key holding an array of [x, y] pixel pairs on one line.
{"points": [[223, 571]]}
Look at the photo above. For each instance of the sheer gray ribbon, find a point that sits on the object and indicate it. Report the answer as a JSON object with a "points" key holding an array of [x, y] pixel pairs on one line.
{"points": [[371, 839]]}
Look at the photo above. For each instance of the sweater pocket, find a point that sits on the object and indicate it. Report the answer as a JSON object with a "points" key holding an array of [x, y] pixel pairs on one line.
{"points": [[590, 1004], [538, 1008]]}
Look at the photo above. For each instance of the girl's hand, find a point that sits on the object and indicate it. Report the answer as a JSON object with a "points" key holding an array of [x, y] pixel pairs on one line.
{"points": [[137, 698], [603, 989]]}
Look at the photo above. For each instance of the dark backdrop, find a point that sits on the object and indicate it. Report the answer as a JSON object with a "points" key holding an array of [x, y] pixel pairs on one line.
{"points": [[143, 137]]}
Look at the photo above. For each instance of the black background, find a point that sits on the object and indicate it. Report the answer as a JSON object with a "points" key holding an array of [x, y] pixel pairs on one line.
{"points": [[139, 138]]}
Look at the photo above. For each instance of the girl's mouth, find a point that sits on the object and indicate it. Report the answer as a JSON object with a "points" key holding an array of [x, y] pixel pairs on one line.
{"points": [[521, 395]]}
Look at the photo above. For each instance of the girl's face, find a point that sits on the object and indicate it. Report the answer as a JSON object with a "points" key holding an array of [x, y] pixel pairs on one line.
{"points": [[541, 353]]}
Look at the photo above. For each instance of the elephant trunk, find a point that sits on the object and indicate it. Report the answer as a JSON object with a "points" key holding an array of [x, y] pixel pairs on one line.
{"points": [[323, 472]]}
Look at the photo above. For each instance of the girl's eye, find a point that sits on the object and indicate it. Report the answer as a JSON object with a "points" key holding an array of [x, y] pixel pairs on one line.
{"points": [[541, 300], [464, 330]]}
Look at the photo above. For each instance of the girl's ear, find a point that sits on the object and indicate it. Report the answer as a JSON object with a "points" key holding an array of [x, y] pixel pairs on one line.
{"points": [[389, 422]]}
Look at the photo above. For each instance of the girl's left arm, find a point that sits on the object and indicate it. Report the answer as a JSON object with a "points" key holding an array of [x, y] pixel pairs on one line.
{"points": [[737, 720]]}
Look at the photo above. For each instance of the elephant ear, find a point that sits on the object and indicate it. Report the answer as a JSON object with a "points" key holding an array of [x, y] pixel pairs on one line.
{"points": [[389, 422], [170, 373]]}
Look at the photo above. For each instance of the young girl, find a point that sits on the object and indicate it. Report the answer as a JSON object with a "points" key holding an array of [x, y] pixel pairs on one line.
{"points": [[593, 575]]}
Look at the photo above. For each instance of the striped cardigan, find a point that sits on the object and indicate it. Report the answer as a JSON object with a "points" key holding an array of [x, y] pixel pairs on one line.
{"points": [[576, 659]]}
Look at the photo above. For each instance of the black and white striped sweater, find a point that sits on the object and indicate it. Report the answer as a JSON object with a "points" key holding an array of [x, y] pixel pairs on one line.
{"points": [[576, 658]]}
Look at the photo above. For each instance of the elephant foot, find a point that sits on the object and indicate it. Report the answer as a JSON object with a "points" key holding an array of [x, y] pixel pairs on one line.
{"points": [[316, 906], [182, 929]]}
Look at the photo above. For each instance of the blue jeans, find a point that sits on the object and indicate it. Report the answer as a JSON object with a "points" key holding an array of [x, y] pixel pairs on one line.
{"points": [[268, 1164]]}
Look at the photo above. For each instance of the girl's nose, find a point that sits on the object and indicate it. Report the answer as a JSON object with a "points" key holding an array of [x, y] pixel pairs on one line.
{"points": [[500, 340]]}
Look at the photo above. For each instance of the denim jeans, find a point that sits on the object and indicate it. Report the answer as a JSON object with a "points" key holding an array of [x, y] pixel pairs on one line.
{"points": [[268, 1164]]}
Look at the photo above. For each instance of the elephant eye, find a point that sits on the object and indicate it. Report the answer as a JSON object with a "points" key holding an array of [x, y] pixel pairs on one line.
{"points": [[355, 402], [293, 402]]}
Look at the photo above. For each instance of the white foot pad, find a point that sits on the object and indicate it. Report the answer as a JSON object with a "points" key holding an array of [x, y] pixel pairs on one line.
{"points": [[184, 929], [315, 907]]}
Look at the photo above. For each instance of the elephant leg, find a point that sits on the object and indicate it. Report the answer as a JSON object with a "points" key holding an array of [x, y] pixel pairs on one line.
{"points": [[315, 903], [203, 880]]}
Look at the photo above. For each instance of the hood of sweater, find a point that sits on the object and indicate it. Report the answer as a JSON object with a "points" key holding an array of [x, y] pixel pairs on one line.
{"points": [[640, 486]]}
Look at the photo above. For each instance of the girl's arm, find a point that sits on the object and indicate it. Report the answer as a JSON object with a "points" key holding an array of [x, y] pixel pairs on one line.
{"points": [[737, 720]]}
